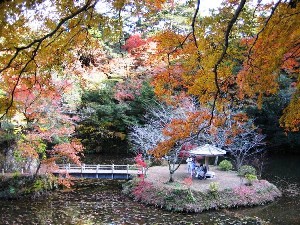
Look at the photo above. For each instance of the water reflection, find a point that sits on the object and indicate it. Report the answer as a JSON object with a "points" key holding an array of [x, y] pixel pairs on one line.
{"points": [[284, 172], [100, 205], [103, 203]]}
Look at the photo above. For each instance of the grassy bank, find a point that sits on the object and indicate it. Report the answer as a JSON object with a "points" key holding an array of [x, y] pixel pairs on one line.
{"points": [[18, 186]]}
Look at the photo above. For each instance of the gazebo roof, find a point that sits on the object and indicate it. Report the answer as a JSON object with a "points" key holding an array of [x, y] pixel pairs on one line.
{"points": [[207, 150]]}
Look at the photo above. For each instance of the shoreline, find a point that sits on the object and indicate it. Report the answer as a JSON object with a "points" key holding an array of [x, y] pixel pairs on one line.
{"points": [[23, 186], [226, 190]]}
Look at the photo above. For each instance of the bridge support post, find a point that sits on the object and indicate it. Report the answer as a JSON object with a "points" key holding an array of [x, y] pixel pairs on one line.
{"points": [[127, 172], [3, 172], [97, 171], [112, 171]]}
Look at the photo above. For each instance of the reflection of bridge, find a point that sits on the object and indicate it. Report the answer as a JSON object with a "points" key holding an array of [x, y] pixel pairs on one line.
{"points": [[99, 171]]}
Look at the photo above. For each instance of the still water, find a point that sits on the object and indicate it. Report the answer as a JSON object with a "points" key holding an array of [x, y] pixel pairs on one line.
{"points": [[103, 203]]}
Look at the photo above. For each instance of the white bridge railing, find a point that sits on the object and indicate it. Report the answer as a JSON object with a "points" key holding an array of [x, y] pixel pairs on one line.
{"points": [[100, 169]]}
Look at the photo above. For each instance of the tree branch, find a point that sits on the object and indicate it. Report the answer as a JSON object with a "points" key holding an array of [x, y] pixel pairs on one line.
{"points": [[219, 61], [39, 41], [226, 43], [264, 27], [194, 22]]}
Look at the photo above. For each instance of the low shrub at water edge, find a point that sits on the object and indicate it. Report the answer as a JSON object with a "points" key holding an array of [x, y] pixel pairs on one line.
{"points": [[186, 200], [21, 186], [250, 178], [246, 169]]}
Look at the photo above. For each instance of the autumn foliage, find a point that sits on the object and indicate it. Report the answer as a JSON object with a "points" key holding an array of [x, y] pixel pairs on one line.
{"points": [[231, 58], [247, 70], [133, 42]]}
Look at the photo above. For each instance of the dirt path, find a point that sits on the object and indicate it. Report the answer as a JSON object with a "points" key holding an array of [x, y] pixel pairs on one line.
{"points": [[159, 175]]}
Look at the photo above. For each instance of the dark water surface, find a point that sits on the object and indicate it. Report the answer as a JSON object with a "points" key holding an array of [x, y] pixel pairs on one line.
{"points": [[104, 204]]}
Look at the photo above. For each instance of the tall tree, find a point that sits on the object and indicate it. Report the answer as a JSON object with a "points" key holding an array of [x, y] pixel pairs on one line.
{"points": [[40, 37], [234, 55], [47, 128], [166, 130]]}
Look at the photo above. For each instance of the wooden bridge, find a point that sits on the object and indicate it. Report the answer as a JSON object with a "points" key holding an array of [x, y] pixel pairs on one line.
{"points": [[100, 171]]}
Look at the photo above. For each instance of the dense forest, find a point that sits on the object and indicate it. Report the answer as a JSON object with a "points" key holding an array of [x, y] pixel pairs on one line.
{"points": [[155, 77]]}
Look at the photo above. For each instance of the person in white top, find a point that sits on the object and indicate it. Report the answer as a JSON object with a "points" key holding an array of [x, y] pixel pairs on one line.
{"points": [[189, 162]]}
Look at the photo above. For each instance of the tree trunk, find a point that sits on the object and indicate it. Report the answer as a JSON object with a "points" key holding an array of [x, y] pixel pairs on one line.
{"points": [[171, 177], [216, 161], [37, 170]]}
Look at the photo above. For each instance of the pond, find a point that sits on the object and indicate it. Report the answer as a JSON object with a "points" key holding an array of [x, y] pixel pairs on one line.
{"points": [[103, 203]]}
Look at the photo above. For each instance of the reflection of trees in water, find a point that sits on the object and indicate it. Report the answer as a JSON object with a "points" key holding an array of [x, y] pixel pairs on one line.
{"points": [[288, 186], [101, 202], [292, 190], [282, 167], [64, 208]]}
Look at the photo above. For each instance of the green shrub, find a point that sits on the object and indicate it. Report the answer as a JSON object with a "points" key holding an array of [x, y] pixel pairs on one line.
{"points": [[38, 185], [19, 186], [12, 190], [250, 178], [225, 165], [246, 169], [16, 175], [214, 187], [44, 183]]}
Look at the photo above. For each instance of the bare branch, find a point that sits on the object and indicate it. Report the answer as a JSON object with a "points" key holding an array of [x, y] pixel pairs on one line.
{"points": [[194, 21]]}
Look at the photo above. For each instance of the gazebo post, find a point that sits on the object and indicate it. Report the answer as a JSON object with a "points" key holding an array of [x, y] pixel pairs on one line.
{"points": [[207, 162]]}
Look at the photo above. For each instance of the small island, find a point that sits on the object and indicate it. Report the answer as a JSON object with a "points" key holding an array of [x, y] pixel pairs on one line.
{"points": [[226, 190]]}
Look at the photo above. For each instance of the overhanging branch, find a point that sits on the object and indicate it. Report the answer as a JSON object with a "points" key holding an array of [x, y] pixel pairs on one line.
{"points": [[36, 44], [263, 28], [194, 22], [220, 59]]}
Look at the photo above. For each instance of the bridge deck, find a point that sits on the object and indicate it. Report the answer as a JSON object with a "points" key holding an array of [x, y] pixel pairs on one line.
{"points": [[99, 171]]}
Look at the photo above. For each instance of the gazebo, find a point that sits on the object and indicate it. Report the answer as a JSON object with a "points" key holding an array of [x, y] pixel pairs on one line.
{"points": [[207, 151]]}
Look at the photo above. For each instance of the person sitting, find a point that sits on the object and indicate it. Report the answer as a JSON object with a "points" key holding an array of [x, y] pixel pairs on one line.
{"points": [[200, 172], [201, 166]]}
